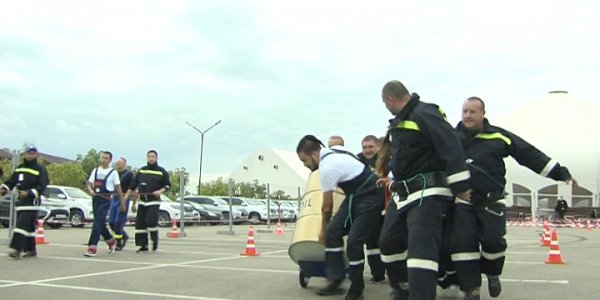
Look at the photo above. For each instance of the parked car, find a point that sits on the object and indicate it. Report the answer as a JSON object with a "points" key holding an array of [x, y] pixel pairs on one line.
{"points": [[54, 216], [207, 216], [171, 210], [287, 214], [239, 215], [293, 206], [78, 202]]}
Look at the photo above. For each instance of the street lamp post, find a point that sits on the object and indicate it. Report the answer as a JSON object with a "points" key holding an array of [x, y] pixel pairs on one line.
{"points": [[202, 148]]}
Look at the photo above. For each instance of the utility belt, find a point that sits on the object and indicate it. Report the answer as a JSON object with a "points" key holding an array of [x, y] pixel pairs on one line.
{"points": [[149, 198], [420, 182], [486, 198]]}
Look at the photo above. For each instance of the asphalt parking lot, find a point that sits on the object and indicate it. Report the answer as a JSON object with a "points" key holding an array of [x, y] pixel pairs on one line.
{"points": [[204, 265]]}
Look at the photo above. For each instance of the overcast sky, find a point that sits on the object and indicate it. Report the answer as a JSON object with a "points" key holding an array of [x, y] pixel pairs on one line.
{"points": [[126, 75]]}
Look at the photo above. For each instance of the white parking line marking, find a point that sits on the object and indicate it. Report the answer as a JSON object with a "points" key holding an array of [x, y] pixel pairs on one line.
{"points": [[114, 291], [535, 281]]}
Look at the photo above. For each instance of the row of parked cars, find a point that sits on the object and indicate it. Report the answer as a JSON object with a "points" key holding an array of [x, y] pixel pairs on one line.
{"points": [[70, 205]]}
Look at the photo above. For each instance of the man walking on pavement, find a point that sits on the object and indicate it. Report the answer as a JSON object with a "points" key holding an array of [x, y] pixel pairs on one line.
{"points": [[103, 182], [31, 180], [151, 182]]}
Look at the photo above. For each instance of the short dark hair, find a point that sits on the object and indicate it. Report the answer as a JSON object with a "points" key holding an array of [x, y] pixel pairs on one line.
{"points": [[308, 144], [475, 98], [109, 154], [152, 151], [395, 89], [369, 138]]}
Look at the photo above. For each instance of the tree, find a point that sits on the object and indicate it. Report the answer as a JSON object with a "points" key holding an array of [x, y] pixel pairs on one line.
{"points": [[6, 166], [218, 187], [69, 174], [175, 177], [89, 161]]}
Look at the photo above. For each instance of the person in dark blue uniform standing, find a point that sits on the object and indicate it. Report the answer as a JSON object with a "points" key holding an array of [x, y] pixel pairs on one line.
{"points": [[31, 180], [151, 182], [363, 203], [428, 166], [482, 221]]}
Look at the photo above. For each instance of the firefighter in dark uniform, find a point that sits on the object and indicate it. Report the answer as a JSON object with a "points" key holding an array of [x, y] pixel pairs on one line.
{"points": [[429, 169], [31, 180], [482, 220], [354, 218], [370, 146], [151, 181]]}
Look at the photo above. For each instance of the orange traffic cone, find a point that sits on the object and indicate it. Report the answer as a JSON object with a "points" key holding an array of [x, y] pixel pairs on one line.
{"points": [[547, 235], [554, 255], [589, 226], [174, 234], [39, 234], [250, 246], [279, 230]]}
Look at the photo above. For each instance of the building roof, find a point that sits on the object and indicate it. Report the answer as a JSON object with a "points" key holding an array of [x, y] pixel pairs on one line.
{"points": [[565, 128], [281, 169]]}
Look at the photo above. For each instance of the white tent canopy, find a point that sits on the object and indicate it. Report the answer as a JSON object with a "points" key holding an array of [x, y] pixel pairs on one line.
{"points": [[564, 127]]}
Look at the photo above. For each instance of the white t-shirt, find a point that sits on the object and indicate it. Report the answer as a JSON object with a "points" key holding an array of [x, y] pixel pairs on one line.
{"points": [[111, 182], [337, 167]]}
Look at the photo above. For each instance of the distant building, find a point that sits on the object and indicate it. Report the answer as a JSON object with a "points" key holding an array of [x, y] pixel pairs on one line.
{"points": [[566, 129], [281, 169]]}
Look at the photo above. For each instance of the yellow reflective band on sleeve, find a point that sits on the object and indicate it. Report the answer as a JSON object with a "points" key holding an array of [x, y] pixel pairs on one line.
{"points": [[495, 135], [28, 170], [158, 173], [410, 125], [442, 113]]}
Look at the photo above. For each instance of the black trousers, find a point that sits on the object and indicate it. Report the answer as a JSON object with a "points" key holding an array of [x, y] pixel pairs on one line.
{"points": [[374, 253], [146, 222], [472, 226], [24, 235], [410, 243], [359, 228]]}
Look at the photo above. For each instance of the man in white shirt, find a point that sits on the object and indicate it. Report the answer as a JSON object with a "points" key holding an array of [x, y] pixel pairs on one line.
{"points": [[355, 217], [103, 182]]}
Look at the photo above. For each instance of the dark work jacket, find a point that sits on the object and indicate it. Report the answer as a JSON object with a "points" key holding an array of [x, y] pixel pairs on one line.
{"points": [[423, 141], [150, 178], [31, 177], [486, 150]]}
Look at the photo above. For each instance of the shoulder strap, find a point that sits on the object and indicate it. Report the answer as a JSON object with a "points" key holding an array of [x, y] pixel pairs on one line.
{"points": [[95, 173]]}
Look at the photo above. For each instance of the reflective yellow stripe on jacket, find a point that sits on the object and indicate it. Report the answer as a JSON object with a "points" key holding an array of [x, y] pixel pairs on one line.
{"points": [[410, 125], [495, 135], [28, 170], [151, 172]]}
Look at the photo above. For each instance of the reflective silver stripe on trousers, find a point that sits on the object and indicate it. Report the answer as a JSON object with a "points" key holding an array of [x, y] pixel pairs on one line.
{"points": [[373, 252], [394, 257], [466, 256], [341, 249], [357, 262], [418, 263], [141, 231], [152, 229], [25, 233]]}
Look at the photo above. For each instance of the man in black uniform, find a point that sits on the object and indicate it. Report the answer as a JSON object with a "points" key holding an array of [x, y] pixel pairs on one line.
{"points": [[151, 181], [428, 165], [31, 180], [482, 220], [370, 146], [561, 208], [363, 204]]}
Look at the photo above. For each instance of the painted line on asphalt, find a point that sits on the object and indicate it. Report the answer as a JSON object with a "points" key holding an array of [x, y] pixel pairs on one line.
{"points": [[534, 281], [114, 291]]}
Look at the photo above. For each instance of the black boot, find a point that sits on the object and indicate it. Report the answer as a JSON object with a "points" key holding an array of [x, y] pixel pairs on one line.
{"points": [[494, 286], [333, 288]]}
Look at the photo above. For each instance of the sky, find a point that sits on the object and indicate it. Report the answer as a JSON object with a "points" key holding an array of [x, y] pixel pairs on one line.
{"points": [[125, 76]]}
